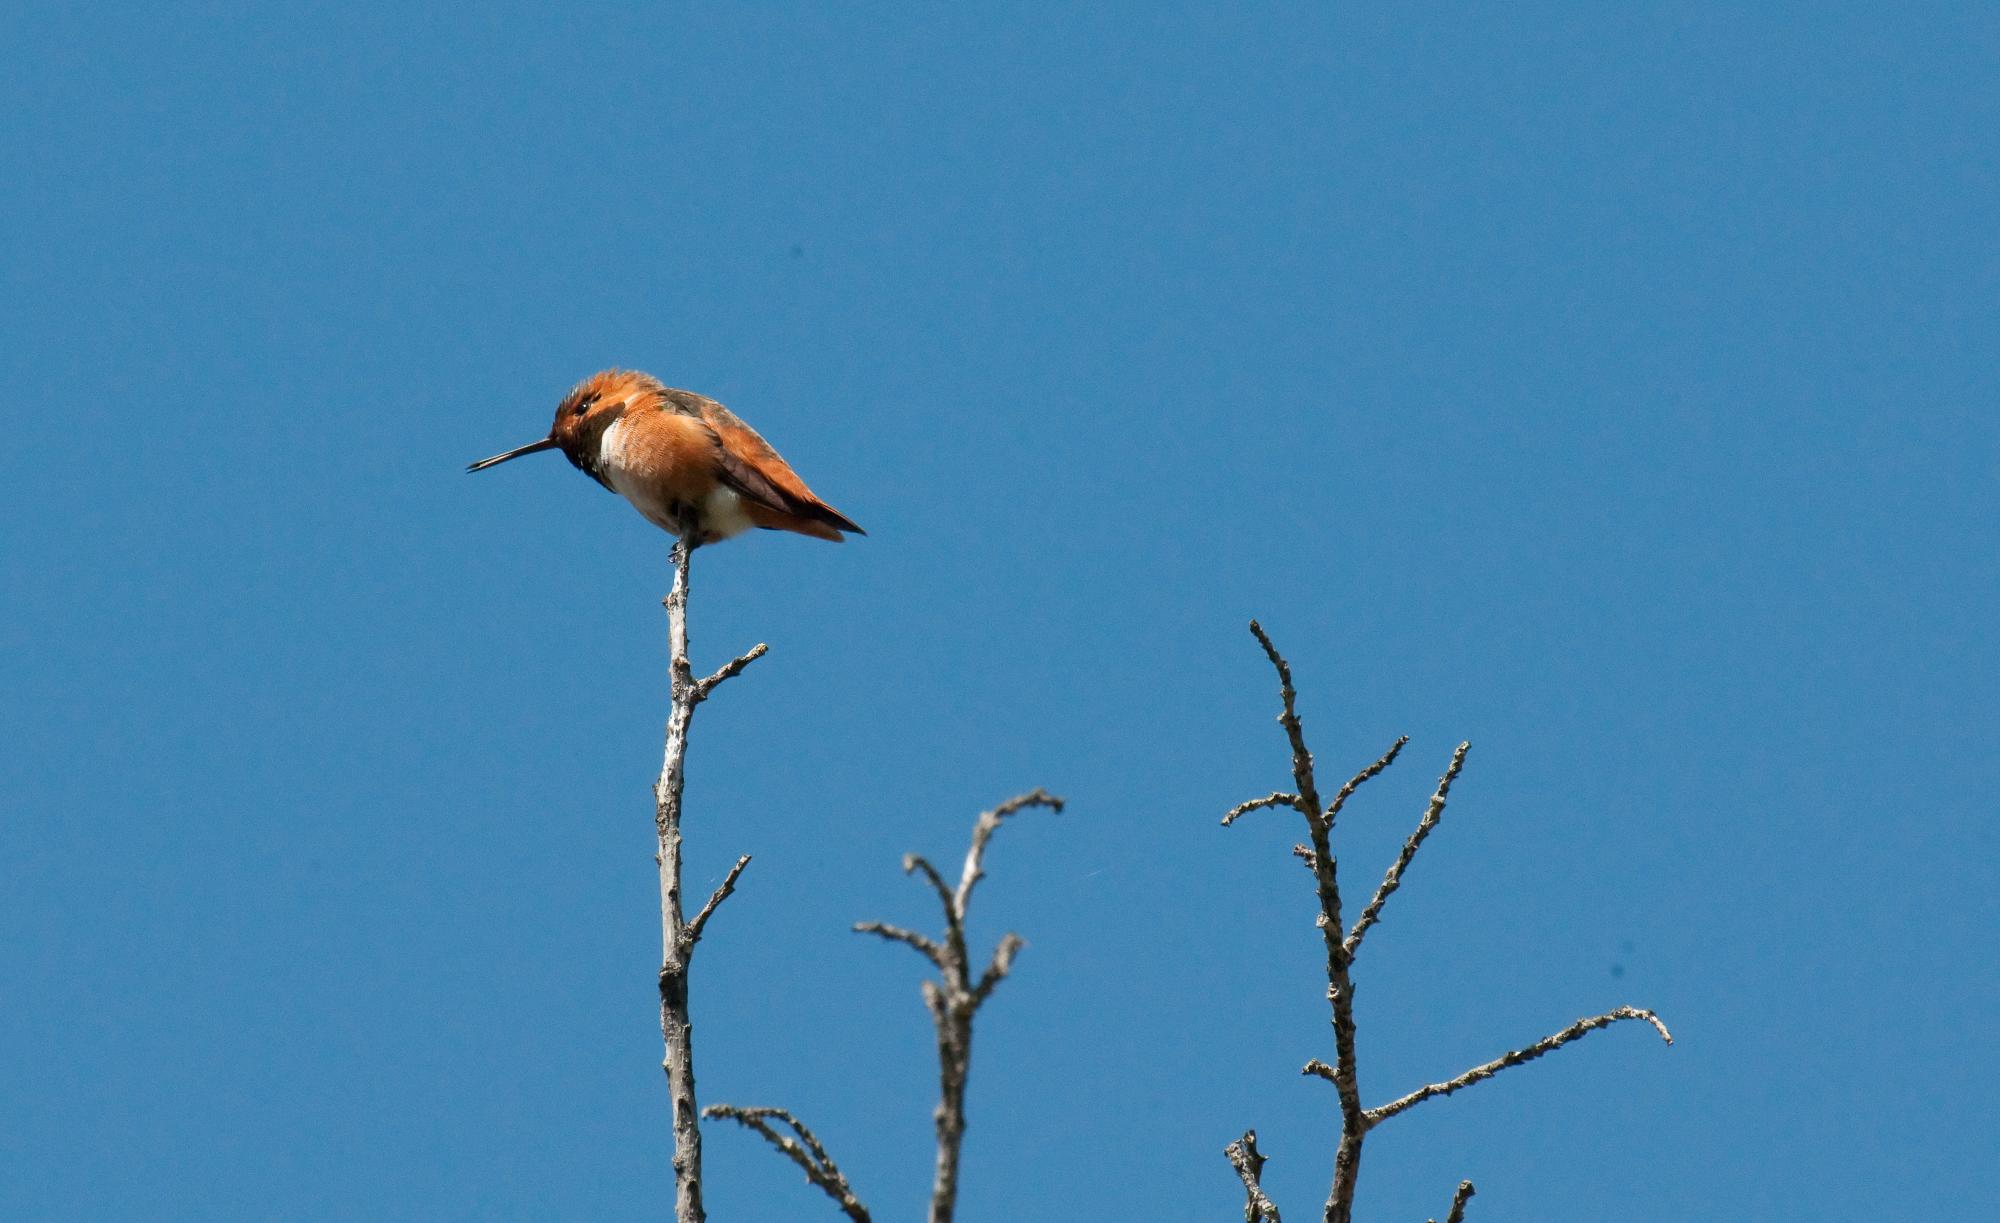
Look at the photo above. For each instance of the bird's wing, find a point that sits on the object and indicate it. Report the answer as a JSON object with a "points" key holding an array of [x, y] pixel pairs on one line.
{"points": [[752, 468]]}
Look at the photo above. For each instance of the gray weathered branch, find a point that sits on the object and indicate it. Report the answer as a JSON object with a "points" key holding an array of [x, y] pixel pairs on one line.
{"points": [[896, 934], [1547, 1044], [1249, 1165], [1326, 883], [1318, 856], [1458, 1201], [955, 996], [802, 1148], [691, 933], [1394, 879], [677, 935], [1276, 798]]}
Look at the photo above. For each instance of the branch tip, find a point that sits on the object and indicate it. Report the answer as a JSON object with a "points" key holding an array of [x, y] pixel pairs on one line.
{"points": [[1458, 1201], [1249, 1164], [1548, 1044], [691, 933]]}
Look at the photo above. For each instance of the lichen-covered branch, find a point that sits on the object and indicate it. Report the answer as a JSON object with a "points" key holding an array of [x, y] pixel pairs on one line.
{"points": [[956, 996], [678, 936], [1547, 1044], [1249, 1165], [802, 1147]]}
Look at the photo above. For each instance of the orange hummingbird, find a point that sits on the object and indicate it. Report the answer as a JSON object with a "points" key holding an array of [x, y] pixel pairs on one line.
{"points": [[682, 460]]}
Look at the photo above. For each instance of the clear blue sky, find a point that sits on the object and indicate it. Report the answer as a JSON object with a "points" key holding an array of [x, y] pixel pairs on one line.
{"points": [[1610, 385]]}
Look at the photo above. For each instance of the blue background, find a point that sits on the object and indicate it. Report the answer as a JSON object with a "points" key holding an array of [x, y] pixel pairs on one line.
{"points": [[1610, 385]]}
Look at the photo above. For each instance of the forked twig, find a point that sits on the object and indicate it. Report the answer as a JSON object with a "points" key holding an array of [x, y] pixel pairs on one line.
{"points": [[956, 996]]}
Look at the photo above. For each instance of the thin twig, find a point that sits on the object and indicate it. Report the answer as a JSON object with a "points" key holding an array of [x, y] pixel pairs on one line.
{"points": [[896, 934], [954, 997], [1249, 1165], [1547, 1044], [805, 1150], [1002, 963], [1302, 761], [722, 892], [729, 670], [913, 864], [1354, 783], [982, 832], [1394, 879], [1276, 798]]}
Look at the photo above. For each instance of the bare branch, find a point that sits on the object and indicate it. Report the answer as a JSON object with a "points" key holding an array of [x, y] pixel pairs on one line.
{"points": [[896, 934], [1548, 1044], [1394, 879], [1458, 1201], [1276, 798], [914, 864], [1003, 962], [983, 831], [677, 935], [729, 670], [1326, 884], [692, 933], [1302, 761], [676, 1029], [954, 998], [1341, 944], [1354, 783], [1249, 1165], [805, 1151]]}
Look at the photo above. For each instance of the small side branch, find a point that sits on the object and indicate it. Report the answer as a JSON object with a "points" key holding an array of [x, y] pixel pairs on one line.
{"points": [[1374, 770], [1249, 1165], [729, 670], [801, 1147], [1276, 798], [1394, 879], [982, 832], [896, 934], [955, 996], [1548, 1044], [692, 934], [1002, 963]]}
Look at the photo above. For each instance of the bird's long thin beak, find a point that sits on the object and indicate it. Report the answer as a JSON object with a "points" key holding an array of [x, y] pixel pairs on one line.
{"points": [[547, 443]]}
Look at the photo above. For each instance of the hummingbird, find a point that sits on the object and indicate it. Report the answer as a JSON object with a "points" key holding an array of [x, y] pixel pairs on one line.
{"points": [[684, 461]]}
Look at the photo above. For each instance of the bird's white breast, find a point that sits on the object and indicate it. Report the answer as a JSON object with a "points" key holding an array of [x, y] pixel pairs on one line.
{"points": [[636, 476]]}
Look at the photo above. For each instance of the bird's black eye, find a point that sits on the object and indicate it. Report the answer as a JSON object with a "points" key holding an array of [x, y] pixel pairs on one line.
{"points": [[583, 405]]}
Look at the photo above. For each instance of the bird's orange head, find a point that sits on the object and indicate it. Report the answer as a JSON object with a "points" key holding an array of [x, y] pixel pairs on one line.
{"points": [[585, 413]]}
